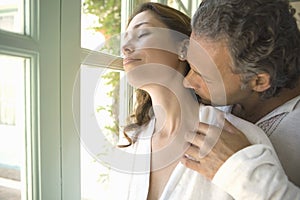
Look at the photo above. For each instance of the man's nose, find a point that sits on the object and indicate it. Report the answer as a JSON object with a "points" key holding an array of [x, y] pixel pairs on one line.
{"points": [[187, 80]]}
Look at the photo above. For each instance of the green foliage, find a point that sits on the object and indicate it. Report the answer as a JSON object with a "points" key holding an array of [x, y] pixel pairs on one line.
{"points": [[112, 79], [109, 19], [109, 15]]}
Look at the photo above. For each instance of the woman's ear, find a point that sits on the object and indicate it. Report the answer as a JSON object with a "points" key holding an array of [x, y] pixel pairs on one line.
{"points": [[182, 50], [261, 82]]}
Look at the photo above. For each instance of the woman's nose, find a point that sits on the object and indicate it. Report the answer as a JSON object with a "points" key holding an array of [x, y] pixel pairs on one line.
{"points": [[127, 48]]}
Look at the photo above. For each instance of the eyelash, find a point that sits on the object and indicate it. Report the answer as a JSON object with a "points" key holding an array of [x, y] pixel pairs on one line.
{"points": [[196, 72], [143, 34]]}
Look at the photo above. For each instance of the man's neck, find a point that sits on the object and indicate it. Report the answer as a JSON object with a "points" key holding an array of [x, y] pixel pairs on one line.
{"points": [[256, 108]]}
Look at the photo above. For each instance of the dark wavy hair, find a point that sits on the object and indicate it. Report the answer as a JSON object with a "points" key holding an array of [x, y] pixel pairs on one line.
{"points": [[174, 20], [262, 36]]}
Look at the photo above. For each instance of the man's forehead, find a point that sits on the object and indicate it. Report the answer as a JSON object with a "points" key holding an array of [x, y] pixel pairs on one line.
{"points": [[211, 47]]}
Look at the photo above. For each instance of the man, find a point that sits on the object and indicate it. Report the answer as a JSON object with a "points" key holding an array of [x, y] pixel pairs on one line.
{"points": [[247, 54]]}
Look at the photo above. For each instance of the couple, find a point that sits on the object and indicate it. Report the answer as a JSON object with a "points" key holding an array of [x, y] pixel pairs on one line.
{"points": [[243, 58]]}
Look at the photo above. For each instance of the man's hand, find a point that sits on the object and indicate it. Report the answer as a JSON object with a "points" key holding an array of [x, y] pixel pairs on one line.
{"points": [[211, 146]]}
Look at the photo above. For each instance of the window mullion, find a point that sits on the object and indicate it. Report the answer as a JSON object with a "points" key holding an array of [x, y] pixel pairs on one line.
{"points": [[70, 64]]}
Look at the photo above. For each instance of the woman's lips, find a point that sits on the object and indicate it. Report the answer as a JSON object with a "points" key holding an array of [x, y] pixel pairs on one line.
{"points": [[127, 61]]}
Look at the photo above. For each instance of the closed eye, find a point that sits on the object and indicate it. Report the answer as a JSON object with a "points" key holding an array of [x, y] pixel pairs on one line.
{"points": [[143, 34], [205, 78], [196, 72]]}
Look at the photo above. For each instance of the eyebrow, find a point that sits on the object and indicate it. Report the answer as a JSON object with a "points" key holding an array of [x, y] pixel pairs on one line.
{"points": [[140, 24], [137, 26]]}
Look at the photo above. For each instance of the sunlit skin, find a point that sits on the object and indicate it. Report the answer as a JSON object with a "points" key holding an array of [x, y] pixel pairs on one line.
{"points": [[212, 78], [140, 35], [144, 48], [207, 84], [247, 102], [211, 75]]}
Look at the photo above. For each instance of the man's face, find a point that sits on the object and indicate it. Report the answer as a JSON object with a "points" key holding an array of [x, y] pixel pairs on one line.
{"points": [[211, 74]]}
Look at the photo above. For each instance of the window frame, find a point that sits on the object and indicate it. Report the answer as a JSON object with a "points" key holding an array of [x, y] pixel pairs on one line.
{"points": [[41, 44]]}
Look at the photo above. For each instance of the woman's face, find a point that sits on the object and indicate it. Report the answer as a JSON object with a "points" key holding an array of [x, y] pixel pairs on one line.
{"points": [[147, 41]]}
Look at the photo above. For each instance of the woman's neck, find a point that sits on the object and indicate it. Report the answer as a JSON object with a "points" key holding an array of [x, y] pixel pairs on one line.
{"points": [[167, 111], [174, 108]]}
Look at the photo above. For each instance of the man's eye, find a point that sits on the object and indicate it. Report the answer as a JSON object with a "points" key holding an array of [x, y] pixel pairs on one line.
{"points": [[196, 72]]}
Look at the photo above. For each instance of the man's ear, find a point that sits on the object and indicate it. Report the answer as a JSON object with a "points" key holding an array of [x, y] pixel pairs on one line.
{"points": [[261, 82]]}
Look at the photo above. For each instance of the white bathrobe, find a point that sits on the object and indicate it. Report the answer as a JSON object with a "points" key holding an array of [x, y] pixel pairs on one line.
{"points": [[254, 165]]}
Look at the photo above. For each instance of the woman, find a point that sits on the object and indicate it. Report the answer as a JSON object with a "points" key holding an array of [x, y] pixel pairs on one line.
{"points": [[165, 109]]}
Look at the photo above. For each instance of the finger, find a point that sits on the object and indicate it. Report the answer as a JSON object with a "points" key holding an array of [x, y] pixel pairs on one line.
{"points": [[194, 165], [198, 167], [195, 138], [202, 128], [209, 130], [212, 136], [193, 153]]}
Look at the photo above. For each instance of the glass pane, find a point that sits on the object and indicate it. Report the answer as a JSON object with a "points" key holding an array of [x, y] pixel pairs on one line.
{"points": [[12, 16], [12, 128], [186, 6], [99, 21], [99, 102]]}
